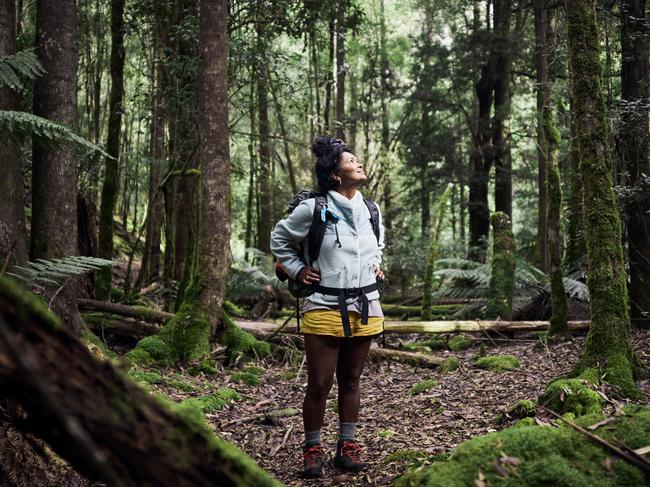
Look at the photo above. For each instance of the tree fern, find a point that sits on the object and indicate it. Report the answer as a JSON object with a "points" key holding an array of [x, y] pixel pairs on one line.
{"points": [[23, 124], [18, 68], [50, 273]]}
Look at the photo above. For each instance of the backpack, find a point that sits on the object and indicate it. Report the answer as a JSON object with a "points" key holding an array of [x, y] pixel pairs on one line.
{"points": [[314, 238]]}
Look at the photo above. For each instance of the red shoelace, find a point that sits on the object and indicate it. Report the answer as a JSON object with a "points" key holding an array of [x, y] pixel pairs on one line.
{"points": [[312, 453], [351, 449]]}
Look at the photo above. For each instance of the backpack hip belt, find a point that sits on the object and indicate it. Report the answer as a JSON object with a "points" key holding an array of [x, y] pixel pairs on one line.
{"points": [[343, 295]]}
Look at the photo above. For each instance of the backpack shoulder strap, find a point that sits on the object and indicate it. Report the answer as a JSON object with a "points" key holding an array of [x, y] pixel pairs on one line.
{"points": [[317, 229], [374, 216]]}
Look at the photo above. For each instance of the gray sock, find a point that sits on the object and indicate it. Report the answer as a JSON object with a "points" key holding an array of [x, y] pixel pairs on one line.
{"points": [[312, 438], [347, 431]]}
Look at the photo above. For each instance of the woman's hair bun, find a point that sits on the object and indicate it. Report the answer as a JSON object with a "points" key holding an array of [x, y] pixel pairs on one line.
{"points": [[324, 145]]}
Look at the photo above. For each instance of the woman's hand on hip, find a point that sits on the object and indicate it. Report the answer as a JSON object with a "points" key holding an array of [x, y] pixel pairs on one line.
{"points": [[309, 275], [379, 274]]}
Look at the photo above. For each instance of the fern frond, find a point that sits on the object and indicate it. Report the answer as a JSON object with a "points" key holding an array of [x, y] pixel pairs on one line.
{"points": [[19, 67], [473, 277], [23, 124], [55, 272], [458, 263]]}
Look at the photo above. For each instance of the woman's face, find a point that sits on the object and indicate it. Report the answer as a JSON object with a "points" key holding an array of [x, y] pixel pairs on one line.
{"points": [[350, 172]]}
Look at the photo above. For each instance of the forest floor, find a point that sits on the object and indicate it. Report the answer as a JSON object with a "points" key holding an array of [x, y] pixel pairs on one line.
{"points": [[461, 404]]}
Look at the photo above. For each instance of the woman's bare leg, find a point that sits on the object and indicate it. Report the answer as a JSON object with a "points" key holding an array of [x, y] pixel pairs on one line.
{"points": [[322, 353]]}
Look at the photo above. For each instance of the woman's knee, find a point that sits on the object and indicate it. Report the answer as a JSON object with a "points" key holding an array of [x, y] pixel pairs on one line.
{"points": [[349, 382], [319, 387]]}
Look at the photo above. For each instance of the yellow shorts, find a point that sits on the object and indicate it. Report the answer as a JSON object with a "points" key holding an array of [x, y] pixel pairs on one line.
{"points": [[328, 322]]}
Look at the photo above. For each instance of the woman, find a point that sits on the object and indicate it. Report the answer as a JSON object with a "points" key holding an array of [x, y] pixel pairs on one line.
{"points": [[343, 314]]}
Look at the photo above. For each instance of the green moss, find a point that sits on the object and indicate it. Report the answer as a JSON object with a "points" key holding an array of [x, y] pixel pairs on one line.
{"points": [[417, 347], [91, 340], [524, 422], [138, 356], [252, 369], [156, 348], [540, 455], [459, 342], [239, 342], [422, 386], [498, 363], [449, 365], [203, 367], [232, 309], [117, 294], [402, 456], [571, 396], [386, 434], [289, 375], [522, 409], [502, 279], [182, 385], [145, 376], [246, 378], [436, 343], [212, 402]]}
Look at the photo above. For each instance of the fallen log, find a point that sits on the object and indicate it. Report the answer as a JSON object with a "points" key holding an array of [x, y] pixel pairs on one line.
{"points": [[93, 416], [100, 323], [411, 358], [138, 312], [434, 327]]}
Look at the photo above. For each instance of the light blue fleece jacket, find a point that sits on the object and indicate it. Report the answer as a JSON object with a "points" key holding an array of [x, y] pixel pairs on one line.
{"points": [[351, 265]]}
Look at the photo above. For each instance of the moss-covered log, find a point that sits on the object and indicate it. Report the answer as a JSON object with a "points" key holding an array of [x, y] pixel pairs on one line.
{"points": [[542, 455], [502, 280], [96, 418], [137, 312], [100, 323], [608, 343], [432, 256]]}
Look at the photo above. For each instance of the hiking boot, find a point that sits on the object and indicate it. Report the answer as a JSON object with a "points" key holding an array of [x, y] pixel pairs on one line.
{"points": [[348, 456], [312, 456]]}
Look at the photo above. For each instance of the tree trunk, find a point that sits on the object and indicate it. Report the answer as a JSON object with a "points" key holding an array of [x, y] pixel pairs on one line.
{"points": [[111, 167], [252, 165], [340, 72], [576, 251], [608, 342], [502, 280], [634, 144], [285, 136], [541, 63], [13, 236], [502, 102], [54, 171], [124, 438], [264, 174]]}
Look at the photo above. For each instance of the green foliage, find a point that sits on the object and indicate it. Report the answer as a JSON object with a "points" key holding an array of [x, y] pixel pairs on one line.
{"points": [[157, 349], [540, 455], [458, 343], [146, 376], [205, 366], [422, 386], [49, 273], [449, 365], [19, 67], [502, 278], [386, 434], [239, 342], [22, 124], [498, 363]]}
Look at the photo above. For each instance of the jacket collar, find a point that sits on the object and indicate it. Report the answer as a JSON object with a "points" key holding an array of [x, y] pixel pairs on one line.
{"points": [[342, 202]]}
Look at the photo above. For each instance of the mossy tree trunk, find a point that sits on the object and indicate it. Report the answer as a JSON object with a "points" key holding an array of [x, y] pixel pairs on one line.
{"points": [[264, 174], [441, 208], [54, 169], [576, 251], [635, 81], [608, 344], [128, 437], [502, 280], [111, 164], [502, 102], [551, 145], [13, 238]]}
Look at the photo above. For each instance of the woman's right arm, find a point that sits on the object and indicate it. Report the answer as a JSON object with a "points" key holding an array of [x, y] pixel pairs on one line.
{"points": [[289, 232]]}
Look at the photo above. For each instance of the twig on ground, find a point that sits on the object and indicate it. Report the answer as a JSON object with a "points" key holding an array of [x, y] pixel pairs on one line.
{"points": [[284, 441], [302, 364]]}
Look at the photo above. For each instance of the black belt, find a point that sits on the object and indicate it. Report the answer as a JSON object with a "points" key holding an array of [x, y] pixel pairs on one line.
{"points": [[343, 295]]}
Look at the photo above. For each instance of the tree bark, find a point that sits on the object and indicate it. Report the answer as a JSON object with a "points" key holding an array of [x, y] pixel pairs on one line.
{"points": [[54, 171], [340, 69], [635, 80], [13, 235], [608, 342], [213, 258], [502, 280], [124, 438], [502, 102], [111, 167], [541, 64], [264, 174]]}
